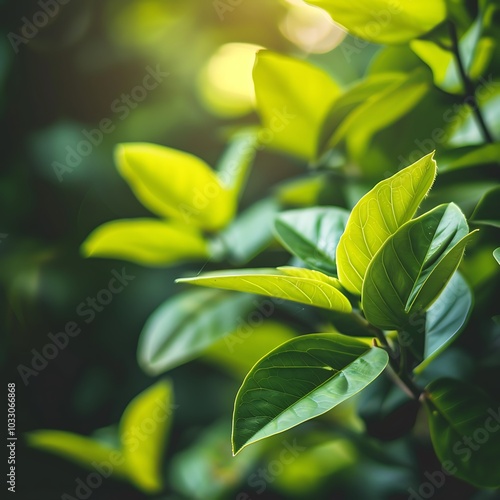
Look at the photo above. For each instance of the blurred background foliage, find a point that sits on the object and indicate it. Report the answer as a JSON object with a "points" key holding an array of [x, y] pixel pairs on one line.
{"points": [[66, 80]]}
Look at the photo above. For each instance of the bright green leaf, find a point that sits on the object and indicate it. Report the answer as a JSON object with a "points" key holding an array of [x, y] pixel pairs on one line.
{"points": [[445, 319], [380, 110], [378, 215], [175, 184], [302, 379], [185, 325], [312, 234], [487, 211], [144, 456], [385, 21], [464, 425], [302, 192], [146, 241], [413, 266], [298, 285], [81, 450], [358, 94], [293, 98]]}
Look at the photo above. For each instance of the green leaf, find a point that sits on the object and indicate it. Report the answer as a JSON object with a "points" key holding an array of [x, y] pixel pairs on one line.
{"points": [[496, 254], [446, 318], [312, 234], [380, 110], [298, 285], [144, 456], [234, 165], [378, 215], [82, 450], [353, 97], [413, 267], [293, 98], [302, 379], [137, 459], [187, 324], [385, 21], [255, 221], [176, 184], [464, 424], [148, 242], [487, 212], [302, 192], [475, 51]]}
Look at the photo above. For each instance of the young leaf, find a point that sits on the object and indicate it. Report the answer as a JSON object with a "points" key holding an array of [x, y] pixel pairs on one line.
{"points": [[175, 184], [385, 21], [378, 215], [185, 325], [299, 380], [312, 234], [413, 267], [293, 98], [445, 319], [464, 424], [143, 456], [148, 242], [298, 285]]}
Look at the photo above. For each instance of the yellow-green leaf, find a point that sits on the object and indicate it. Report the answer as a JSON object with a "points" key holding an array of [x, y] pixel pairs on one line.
{"points": [[146, 241], [175, 184], [385, 21], [293, 98], [298, 285], [378, 215], [144, 428]]}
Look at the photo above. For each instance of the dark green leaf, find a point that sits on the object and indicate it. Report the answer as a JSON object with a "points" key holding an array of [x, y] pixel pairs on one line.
{"points": [[301, 379], [413, 267], [487, 211], [312, 234], [465, 431]]}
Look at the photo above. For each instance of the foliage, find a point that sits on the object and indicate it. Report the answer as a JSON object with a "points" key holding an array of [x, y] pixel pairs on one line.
{"points": [[346, 295]]}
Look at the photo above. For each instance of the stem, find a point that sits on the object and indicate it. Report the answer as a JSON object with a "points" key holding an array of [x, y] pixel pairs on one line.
{"points": [[470, 91]]}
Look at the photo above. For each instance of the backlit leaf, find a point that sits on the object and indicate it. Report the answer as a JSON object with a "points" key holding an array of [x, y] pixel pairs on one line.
{"points": [[378, 214], [175, 184], [150, 242], [293, 98], [385, 21], [295, 284]]}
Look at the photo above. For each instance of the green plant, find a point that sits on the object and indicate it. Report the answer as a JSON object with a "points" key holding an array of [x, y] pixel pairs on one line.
{"points": [[380, 273]]}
